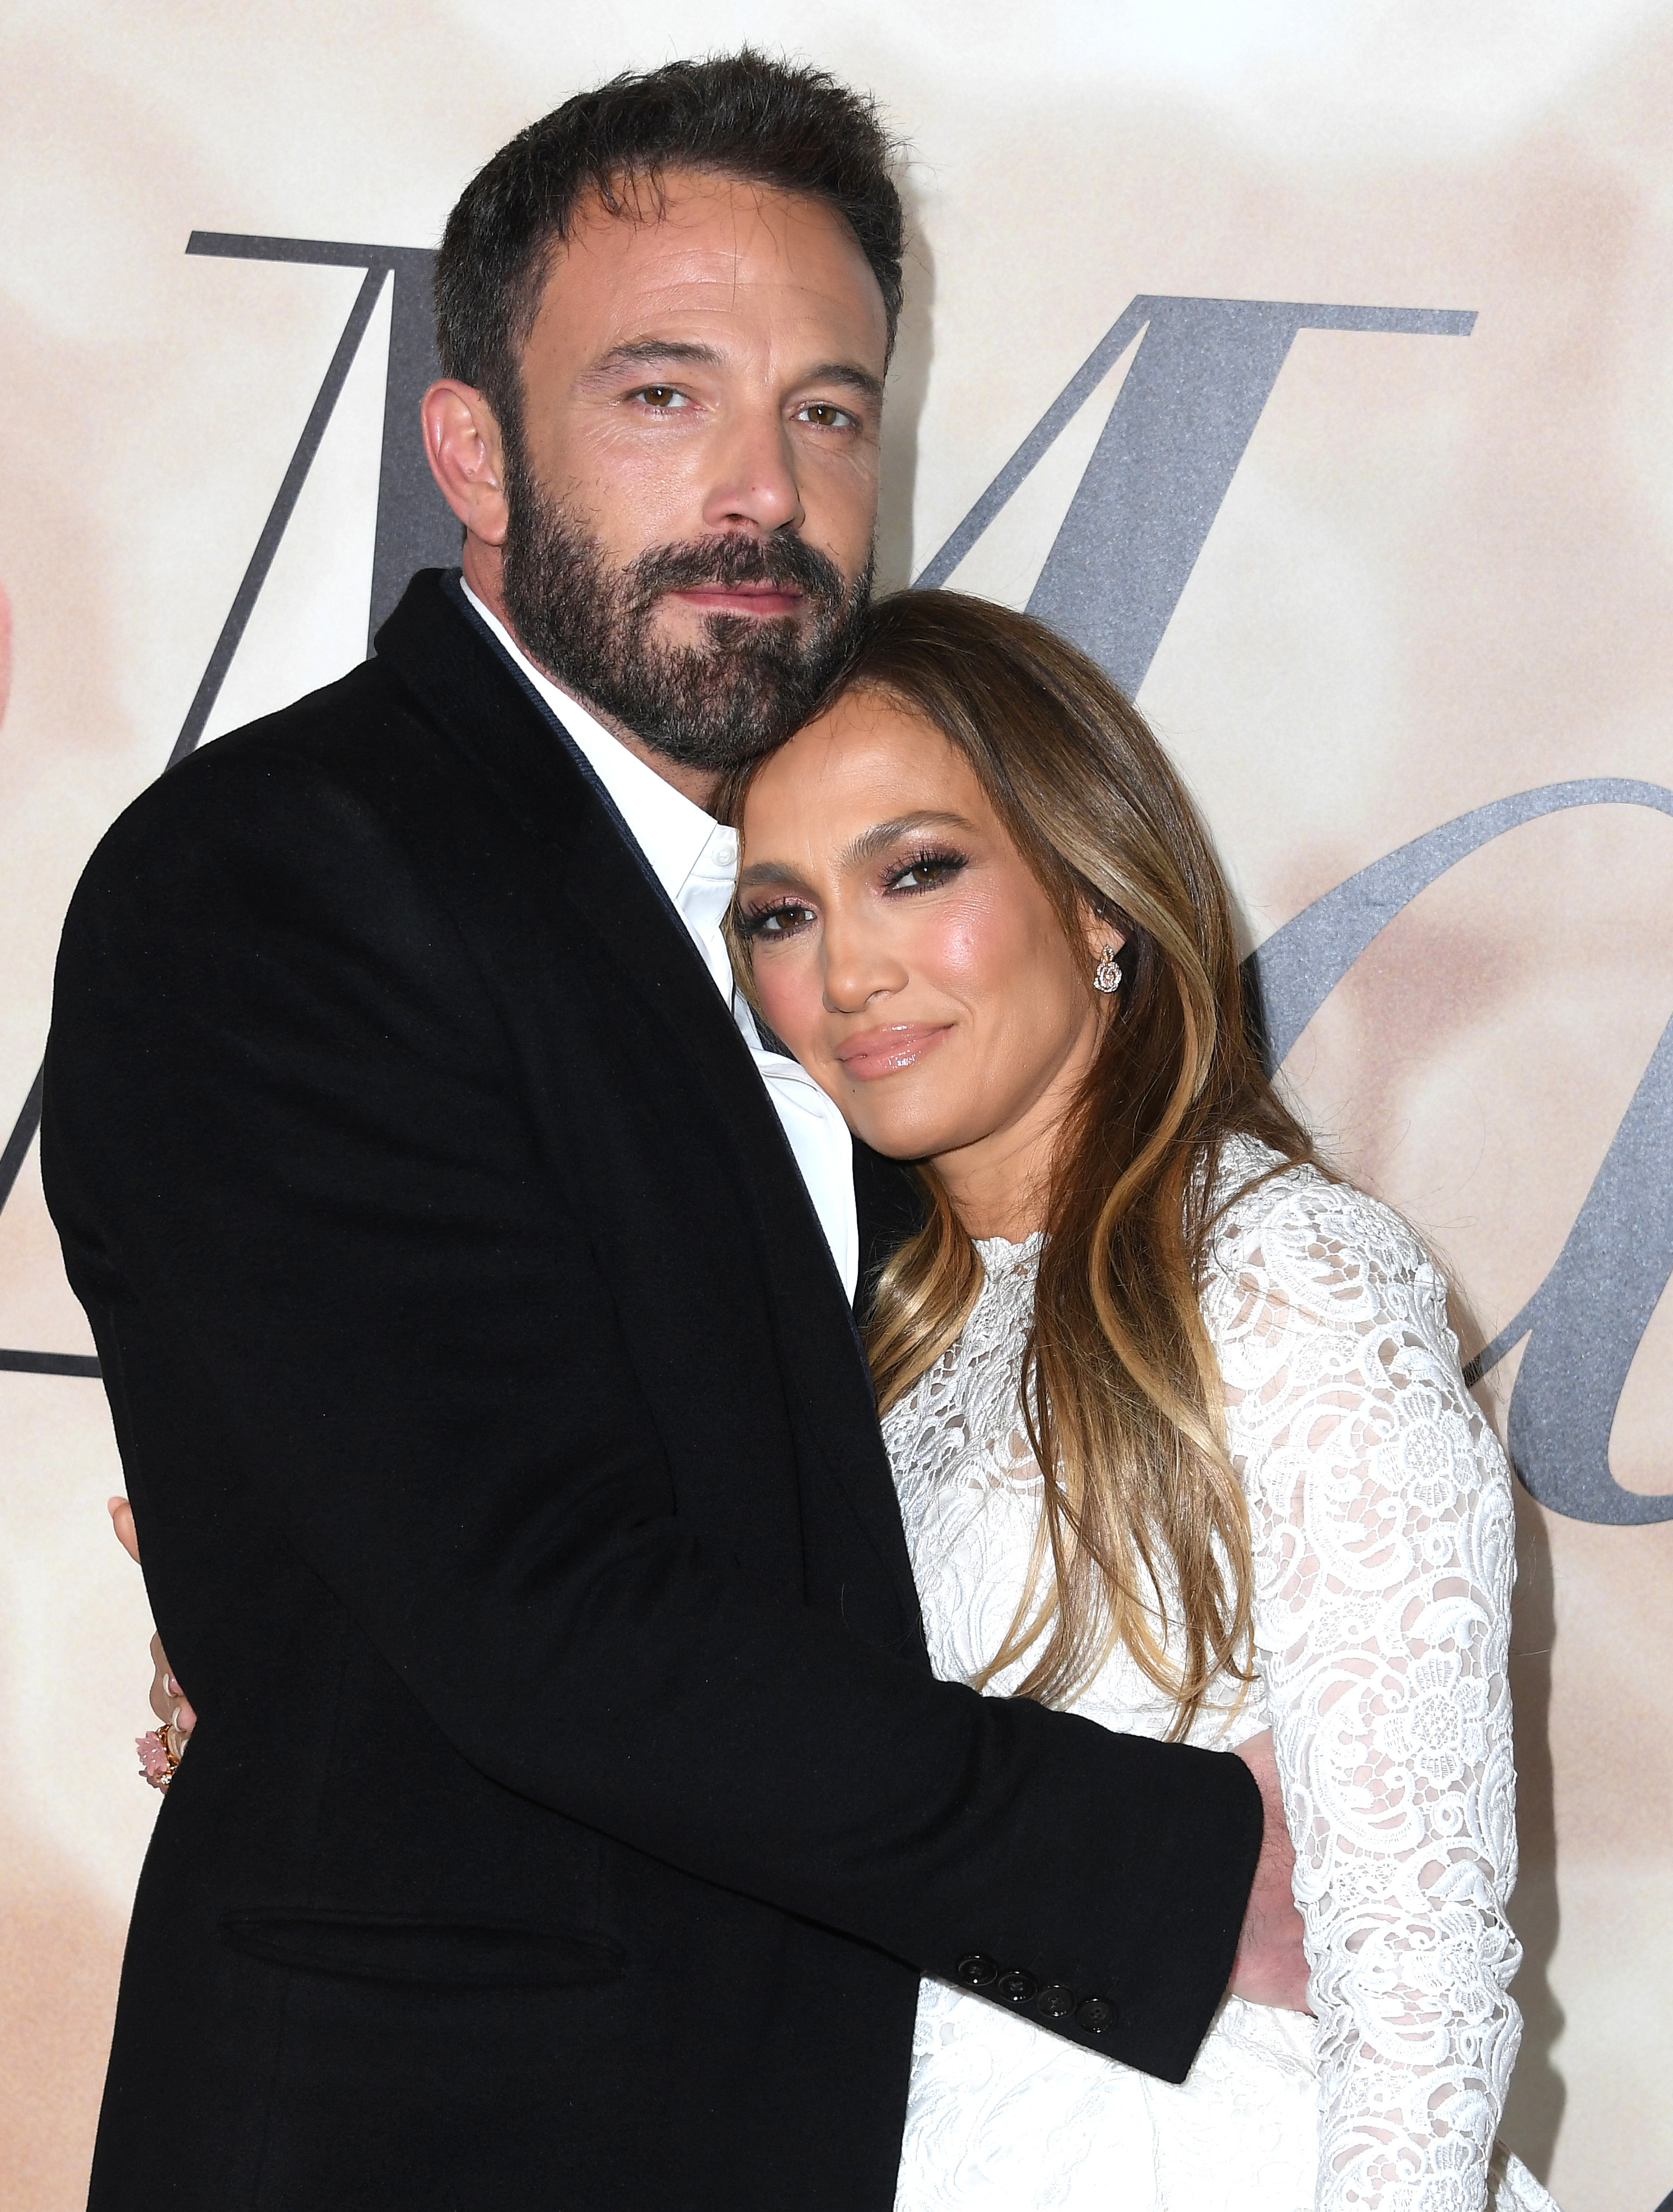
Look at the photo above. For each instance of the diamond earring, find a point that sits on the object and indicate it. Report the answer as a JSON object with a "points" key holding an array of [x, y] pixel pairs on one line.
{"points": [[1107, 975]]}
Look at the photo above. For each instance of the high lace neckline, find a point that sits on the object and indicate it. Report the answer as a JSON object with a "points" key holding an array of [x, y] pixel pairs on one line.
{"points": [[1004, 1255]]}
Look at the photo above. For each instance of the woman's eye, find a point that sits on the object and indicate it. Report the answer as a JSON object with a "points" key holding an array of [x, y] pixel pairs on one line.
{"points": [[926, 873], [825, 416], [775, 922], [661, 396]]}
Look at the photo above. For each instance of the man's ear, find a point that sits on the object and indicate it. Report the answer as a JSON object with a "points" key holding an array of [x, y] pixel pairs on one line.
{"points": [[462, 445], [122, 1520]]}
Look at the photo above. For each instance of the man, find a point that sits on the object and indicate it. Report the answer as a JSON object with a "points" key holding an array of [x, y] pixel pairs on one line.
{"points": [[571, 1811]]}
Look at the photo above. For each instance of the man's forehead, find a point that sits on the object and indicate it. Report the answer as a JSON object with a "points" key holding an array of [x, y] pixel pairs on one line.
{"points": [[708, 250]]}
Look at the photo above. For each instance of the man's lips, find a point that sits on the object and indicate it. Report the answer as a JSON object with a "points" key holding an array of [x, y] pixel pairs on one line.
{"points": [[886, 1051], [763, 600]]}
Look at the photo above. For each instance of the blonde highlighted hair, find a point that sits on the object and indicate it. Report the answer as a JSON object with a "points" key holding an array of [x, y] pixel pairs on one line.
{"points": [[1144, 1534]]}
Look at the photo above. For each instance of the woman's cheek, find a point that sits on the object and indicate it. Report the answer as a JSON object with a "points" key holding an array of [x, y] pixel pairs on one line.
{"points": [[788, 1001], [965, 944]]}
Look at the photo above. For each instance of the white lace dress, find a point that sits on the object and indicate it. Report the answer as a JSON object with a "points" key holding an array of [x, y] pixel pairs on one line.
{"points": [[1381, 1509]]}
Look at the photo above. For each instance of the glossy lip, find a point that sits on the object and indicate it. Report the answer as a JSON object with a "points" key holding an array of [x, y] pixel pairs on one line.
{"points": [[763, 600], [886, 1051]]}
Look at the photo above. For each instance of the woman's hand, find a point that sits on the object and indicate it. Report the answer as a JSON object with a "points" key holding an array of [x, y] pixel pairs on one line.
{"points": [[1270, 1967], [168, 1701]]}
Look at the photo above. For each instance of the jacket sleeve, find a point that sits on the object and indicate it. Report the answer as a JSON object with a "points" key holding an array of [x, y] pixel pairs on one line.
{"points": [[283, 1117]]}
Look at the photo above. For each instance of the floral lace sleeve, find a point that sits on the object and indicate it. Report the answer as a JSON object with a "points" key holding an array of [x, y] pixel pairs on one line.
{"points": [[1384, 1546]]}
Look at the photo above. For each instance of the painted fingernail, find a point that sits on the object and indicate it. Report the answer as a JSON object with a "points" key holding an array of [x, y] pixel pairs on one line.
{"points": [[171, 1686]]}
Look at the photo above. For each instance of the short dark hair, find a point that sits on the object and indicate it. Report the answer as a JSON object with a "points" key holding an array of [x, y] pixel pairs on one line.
{"points": [[740, 115]]}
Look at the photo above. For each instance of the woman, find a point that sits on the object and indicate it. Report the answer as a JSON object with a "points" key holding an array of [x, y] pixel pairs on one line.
{"points": [[1174, 1416]]}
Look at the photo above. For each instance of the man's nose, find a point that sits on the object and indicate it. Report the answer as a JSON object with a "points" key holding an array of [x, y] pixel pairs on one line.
{"points": [[753, 478]]}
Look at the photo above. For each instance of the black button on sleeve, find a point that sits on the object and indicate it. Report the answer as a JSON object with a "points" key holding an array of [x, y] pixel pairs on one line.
{"points": [[1054, 2001], [977, 1971], [1095, 2013], [1017, 1986]]}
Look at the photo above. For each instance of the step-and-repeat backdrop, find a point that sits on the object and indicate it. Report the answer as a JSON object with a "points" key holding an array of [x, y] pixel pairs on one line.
{"points": [[1310, 362]]}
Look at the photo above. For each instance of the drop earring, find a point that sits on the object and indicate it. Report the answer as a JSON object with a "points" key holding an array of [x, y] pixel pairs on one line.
{"points": [[1107, 975]]}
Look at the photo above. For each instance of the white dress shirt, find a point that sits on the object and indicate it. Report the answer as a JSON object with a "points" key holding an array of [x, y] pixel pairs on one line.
{"points": [[695, 859]]}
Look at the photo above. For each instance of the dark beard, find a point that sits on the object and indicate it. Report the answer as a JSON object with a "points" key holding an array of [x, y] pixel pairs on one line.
{"points": [[710, 705]]}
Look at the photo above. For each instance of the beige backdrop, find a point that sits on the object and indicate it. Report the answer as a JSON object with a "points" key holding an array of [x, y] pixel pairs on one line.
{"points": [[1444, 573]]}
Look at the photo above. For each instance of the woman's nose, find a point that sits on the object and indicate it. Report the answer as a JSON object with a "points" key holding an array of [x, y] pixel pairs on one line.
{"points": [[858, 970]]}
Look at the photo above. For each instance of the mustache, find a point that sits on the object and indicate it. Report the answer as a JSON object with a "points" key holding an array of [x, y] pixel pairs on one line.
{"points": [[784, 563]]}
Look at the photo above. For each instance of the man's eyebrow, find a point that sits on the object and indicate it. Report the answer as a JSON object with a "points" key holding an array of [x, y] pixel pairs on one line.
{"points": [[848, 373], [648, 352], [639, 353], [855, 854]]}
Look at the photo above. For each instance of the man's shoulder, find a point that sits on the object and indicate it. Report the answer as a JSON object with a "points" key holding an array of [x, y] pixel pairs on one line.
{"points": [[362, 728], [339, 745], [434, 740]]}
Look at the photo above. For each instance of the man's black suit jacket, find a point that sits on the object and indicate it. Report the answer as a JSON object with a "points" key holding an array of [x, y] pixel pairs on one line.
{"points": [[572, 1810]]}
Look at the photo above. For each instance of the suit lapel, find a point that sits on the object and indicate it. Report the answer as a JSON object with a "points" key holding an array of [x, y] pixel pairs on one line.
{"points": [[455, 668], [815, 1325]]}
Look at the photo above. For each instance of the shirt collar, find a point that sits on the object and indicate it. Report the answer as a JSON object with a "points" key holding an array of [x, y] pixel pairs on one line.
{"points": [[695, 859], [692, 856]]}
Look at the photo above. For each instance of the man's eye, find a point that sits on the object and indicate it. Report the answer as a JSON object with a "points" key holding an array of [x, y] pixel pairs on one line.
{"points": [[825, 416], [775, 922], [661, 396]]}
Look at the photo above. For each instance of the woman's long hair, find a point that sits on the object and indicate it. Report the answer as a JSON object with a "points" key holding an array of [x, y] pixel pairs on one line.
{"points": [[1144, 1536]]}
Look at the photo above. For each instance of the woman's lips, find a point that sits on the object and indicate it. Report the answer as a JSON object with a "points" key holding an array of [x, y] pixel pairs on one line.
{"points": [[886, 1051]]}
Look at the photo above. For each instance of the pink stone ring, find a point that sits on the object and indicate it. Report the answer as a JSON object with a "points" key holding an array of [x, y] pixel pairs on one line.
{"points": [[159, 1753]]}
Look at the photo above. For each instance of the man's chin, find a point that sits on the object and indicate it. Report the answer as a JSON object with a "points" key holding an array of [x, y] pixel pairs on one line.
{"points": [[679, 626]]}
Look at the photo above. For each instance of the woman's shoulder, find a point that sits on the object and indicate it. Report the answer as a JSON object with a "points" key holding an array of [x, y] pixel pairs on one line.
{"points": [[1313, 1240]]}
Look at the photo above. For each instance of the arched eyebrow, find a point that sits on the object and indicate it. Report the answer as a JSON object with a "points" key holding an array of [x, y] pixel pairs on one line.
{"points": [[766, 872], [870, 842], [860, 849]]}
